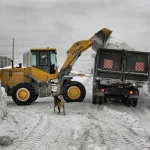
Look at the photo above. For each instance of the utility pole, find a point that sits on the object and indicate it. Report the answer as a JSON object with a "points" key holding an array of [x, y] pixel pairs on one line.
{"points": [[13, 51]]}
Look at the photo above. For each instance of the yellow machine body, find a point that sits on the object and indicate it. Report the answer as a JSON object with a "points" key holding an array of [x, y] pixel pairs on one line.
{"points": [[13, 76]]}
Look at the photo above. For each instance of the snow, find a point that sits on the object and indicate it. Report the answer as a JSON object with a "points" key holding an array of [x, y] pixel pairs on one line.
{"points": [[111, 126], [84, 127], [15, 66], [117, 45]]}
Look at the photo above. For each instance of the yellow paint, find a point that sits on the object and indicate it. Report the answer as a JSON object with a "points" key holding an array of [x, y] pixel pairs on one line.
{"points": [[23, 94], [74, 92], [13, 76], [43, 76]]}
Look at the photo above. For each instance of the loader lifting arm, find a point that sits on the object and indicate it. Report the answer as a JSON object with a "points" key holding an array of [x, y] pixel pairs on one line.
{"points": [[98, 40]]}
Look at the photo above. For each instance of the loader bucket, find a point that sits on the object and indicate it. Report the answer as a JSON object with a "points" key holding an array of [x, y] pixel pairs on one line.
{"points": [[100, 38]]}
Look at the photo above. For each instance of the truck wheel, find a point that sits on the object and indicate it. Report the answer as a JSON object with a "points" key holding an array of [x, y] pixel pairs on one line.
{"points": [[105, 99], [128, 102], [74, 92], [124, 100], [94, 100], [23, 94], [133, 102], [100, 100]]}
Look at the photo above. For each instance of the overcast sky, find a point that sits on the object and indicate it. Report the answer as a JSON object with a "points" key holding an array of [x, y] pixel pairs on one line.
{"points": [[60, 23]]}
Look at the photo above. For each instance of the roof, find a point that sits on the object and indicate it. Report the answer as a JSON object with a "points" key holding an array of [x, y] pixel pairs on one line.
{"points": [[44, 49]]}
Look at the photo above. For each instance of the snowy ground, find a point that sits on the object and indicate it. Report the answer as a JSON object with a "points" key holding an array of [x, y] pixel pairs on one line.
{"points": [[85, 126]]}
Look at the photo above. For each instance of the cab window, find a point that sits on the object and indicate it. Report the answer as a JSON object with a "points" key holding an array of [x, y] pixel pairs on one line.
{"points": [[53, 62], [43, 59], [33, 58]]}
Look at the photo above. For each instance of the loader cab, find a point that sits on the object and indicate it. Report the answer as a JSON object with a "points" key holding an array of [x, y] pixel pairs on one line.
{"points": [[44, 59]]}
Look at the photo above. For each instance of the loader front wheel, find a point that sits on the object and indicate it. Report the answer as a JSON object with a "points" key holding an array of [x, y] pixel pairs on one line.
{"points": [[23, 94], [74, 92], [36, 96]]}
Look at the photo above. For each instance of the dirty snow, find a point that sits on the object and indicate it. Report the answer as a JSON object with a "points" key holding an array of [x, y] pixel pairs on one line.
{"points": [[85, 126]]}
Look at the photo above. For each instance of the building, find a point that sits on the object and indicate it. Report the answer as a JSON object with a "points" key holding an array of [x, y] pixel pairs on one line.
{"points": [[27, 59], [4, 61]]}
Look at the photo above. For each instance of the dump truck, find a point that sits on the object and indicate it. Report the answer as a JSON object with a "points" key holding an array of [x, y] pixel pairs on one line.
{"points": [[118, 74], [25, 85]]}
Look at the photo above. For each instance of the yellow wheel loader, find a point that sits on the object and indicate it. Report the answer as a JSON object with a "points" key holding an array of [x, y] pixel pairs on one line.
{"points": [[25, 85]]}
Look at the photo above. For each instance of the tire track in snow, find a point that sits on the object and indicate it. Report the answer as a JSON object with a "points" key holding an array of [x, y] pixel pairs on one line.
{"points": [[34, 137], [130, 130], [144, 120], [115, 135]]}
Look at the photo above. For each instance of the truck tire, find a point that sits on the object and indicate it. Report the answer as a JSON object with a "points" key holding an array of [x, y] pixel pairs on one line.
{"points": [[73, 92], [94, 100], [105, 99], [23, 94], [124, 100], [133, 102]]}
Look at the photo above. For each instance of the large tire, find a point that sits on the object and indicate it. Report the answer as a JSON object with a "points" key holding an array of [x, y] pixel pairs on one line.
{"points": [[36, 96], [100, 100], [133, 102], [23, 94], [73, 92], [105, 99], [94, 100]]}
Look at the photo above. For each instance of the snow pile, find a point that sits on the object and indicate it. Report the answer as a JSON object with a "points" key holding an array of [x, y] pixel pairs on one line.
{"points": [[86, 81], [118, 45], [122, 115], [4, 138], [144, 100], [15, 66], [3, 104]]}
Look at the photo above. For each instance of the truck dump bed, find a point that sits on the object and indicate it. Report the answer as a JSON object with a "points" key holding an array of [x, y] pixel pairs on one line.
{"points": [[122, 65]]}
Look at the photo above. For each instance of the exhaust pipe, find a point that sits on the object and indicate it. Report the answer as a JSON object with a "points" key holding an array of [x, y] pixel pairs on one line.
{"points": [[20, 65], [12, 63]]}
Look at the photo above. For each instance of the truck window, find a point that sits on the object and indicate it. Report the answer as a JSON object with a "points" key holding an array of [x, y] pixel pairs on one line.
{"points": [[53, 62], [43, 59], [33, 58]]}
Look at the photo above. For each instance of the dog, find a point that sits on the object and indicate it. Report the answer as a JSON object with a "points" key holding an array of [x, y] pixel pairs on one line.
{"points": [[59, 102]]}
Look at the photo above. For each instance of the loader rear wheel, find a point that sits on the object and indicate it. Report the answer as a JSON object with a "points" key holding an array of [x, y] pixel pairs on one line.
{"points": [[74, 92], [23, 94]]}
